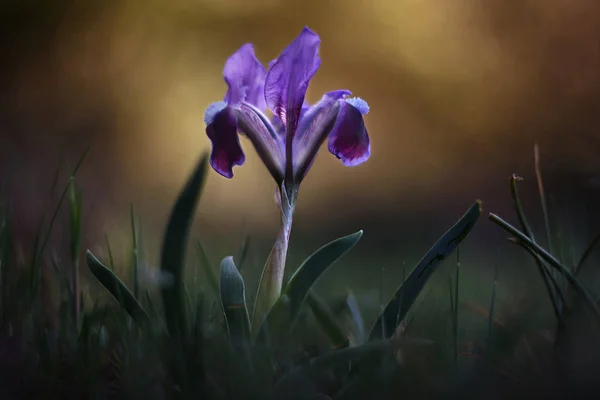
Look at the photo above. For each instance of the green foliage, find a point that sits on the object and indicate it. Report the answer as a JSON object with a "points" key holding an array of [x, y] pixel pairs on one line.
{"points": [[117, 288], [233, 301], [194, 348], [173, 265], [282, 315], [406, 294]]}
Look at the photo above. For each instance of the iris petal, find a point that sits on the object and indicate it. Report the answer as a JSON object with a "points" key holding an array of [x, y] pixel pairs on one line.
{"points": [[288, 78], [226, 150], [313, 129], [266, 141], [245, 77], [349, 140]]}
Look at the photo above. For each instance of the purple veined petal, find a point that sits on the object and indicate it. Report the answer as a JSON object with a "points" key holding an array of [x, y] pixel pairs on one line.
{"points": [[280, 127], [305, 129], [245, 77], [267, 143], [288, 78], [313, 129], [349, 140], [221, 129]]}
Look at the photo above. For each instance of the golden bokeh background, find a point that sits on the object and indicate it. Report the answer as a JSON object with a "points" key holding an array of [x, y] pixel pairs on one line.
{"points": [[460, 90]]}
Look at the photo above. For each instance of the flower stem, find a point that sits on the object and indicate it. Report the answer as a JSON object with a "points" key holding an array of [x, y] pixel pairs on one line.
{"points": [[271, 282], [277, 267]]}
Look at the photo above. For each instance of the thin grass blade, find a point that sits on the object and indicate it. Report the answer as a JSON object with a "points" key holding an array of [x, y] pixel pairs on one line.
{"points": [[173, 251], [208, 269], [552, 287], [327, 321], [553, 262], [172, 264], [119, 290], [288, 383], [404, 297], [38, 256], [586, 255], [75, 210]]}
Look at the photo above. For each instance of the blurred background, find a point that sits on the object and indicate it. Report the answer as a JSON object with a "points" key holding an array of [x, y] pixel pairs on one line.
{"points": [[460, 90]]}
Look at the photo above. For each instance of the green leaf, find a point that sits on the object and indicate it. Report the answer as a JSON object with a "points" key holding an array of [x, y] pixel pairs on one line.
{"points": [[75, 207], [233, 301], [199, 320], [135, 255], [551, 260], [324, 316], [283, 314], [294, 379], [173, 264], [351, 319], [243, 252], [404, 297], [173, 250], [552, 287], [119, 290], [38, 255], [207, 267], [586, 255]]}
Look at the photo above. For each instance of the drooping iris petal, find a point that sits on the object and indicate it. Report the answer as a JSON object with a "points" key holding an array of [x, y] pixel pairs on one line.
{"points": [[316, 123], [245, 77], [289, 75], [267, 142], [221, 129], [305, 131], [349, 140]]}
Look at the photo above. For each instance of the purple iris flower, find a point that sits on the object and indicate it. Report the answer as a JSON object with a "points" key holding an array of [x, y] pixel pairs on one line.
{"points": [[288, 142]]}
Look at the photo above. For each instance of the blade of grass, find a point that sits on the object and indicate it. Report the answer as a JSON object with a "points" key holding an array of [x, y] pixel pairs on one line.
{"points": [[327, 321], [135, 256], [340, 357], [207, 267], [404, 297], [117, 288], [243, 252], [38, 235], [540, 182], [173, 250], [492, 307], [75, 208], [586, 254], [111, 262], [549, 279], [455, 314], [173, 264], [553, 262], [354, 311], [39, 254]]}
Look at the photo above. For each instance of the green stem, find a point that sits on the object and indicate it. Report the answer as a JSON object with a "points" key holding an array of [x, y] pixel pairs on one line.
{"points": [[276, 269], [271, 281]]}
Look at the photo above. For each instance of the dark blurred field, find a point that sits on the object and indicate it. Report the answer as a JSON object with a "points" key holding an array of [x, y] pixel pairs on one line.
{"points": [[460, 90]]}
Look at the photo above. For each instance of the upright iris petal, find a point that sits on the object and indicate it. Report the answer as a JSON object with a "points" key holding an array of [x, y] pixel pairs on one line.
{"points": [[245, 77], [289, 75]]}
